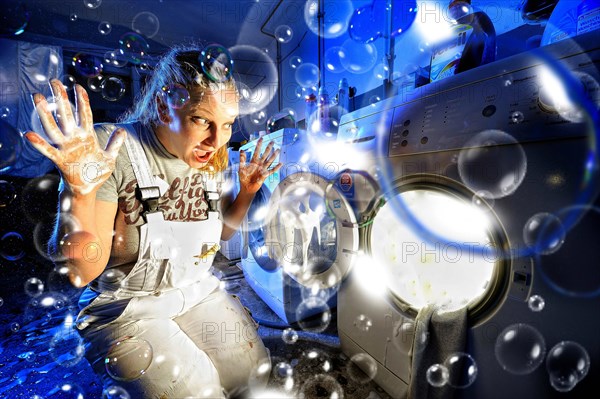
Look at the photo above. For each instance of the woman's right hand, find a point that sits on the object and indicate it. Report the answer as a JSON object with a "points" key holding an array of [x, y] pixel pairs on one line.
{"points": [[83, 165]]}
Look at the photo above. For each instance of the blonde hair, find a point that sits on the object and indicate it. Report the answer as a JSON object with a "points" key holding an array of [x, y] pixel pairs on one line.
{"points": [[181, 66]]}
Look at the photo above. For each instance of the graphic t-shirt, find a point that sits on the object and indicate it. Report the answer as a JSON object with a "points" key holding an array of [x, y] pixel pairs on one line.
{"points": [[183, 201]]}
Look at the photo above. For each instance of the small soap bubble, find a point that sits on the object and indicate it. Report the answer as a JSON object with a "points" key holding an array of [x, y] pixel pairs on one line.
{"points": [[295, 62], [536, 303], [104, 27], [544, 233], [363, 323], [34, 287], [94, 83], [216, 62], [462, 370], [517, 117], [567, 363], [134, 47], [87, 65], [115, 392], [12, 246], [437, 375], [14, 327], [73, 17], [146, 23], [92, 3], [520, 349], [128, 359], [283, 33], [177, 95], [289, 336], [112, 88]]}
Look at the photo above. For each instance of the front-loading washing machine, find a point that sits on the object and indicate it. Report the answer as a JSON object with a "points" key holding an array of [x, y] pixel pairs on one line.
{"points": [[489, 183], [300, 235]]}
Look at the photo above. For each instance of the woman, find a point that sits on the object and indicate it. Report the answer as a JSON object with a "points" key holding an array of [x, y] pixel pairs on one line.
{"points": [[153, 317]]}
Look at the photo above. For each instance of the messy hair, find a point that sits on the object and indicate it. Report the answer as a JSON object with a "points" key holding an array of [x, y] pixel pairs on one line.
{"points": [[181, 66]]}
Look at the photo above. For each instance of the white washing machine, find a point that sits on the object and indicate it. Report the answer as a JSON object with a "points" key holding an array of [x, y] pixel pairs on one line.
{"points": [[300, 235], [481, 160]]}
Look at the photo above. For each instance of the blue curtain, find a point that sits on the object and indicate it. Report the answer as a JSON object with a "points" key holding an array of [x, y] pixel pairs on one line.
{"points": [[25, 69]]}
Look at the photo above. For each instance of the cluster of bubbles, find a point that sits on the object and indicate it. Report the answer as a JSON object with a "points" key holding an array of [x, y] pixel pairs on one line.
{"points": [[459, 370]]}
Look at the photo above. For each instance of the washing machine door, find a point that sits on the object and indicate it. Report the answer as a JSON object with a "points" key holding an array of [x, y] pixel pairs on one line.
{"points": [[428, 261], [255, 228], [312, 230]]}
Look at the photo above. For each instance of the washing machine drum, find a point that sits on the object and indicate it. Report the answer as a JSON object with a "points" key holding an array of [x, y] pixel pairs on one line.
{"points": [[311, 230], [428, 250]]}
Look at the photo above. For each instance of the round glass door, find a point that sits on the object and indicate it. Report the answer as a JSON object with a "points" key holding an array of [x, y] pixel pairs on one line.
{"points": [[313, 228], [442, 273]]}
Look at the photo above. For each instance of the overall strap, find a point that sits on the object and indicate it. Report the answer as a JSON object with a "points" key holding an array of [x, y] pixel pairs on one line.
{"points": [[147, 191]]}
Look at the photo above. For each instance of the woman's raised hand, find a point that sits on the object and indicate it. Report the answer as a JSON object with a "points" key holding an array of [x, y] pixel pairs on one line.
{"points": [[253, 174], [83, 165]]}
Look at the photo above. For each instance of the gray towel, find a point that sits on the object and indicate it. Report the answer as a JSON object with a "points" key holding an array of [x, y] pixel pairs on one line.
{"points": [[446, 334]]}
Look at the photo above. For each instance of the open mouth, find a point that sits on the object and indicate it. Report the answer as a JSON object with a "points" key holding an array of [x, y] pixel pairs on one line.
{"points": [[202, 156]]}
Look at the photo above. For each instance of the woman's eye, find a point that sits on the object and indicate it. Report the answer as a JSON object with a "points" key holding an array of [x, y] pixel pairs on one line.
{"points": [[199, 120], [228, 125]]}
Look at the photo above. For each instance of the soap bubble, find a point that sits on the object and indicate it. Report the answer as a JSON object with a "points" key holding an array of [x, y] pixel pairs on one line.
{"points": [[289, 336], [283, 34], [115, 392], [7, 193], [12, 246], [113, 88], [104, 27], [364, 28], [361, 368], [567, 363], [258, 118], [313, 315], [307, 75], [145, 23], [295, 62], [462, 370], [517, 117], [216, 62], [492, 161], [115, 58], [128, 359], [404, 337], [73, 17], [44, 230], [14, 17], [1, 302], [403, 16], [10, 146], [66, 347], [87, 65], [254, 95], [4, 112], [134, 47], [67, 390], [14, 327], [34, 287], [357, 57], [437, 375], [381, 71], [362, 322], [39, 198], [520, 349], [336, 17], [280, 120], [322, 385], [536, 303], [92, 3], [544, 233], [177, 95], [68, 81], [333, 62], [94, 83]]}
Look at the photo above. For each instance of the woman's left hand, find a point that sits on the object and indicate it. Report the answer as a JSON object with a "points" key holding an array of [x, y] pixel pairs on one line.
{"points": [[254, 173]]}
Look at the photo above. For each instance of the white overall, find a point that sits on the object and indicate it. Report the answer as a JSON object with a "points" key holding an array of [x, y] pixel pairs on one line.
{"points": [[201, 338]]}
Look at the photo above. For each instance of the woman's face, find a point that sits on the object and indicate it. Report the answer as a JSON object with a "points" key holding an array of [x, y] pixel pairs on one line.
{"points": [[196, 131]]}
